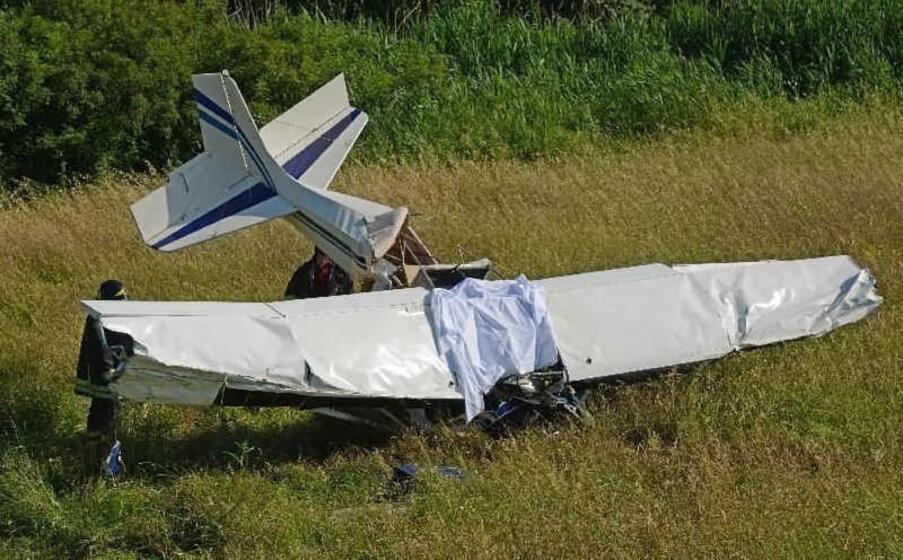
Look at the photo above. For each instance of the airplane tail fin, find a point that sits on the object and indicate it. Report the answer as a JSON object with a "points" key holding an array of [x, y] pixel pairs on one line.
{"points": [[245, 177], [310, 140], [227, 187]]}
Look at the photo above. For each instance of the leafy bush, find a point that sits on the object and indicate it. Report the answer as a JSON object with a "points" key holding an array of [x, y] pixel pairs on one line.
{"points": [[812, 44], [92, 85]]}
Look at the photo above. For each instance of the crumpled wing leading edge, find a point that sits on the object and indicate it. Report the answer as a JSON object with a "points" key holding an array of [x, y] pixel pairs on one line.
{"points": [[381, 344]]}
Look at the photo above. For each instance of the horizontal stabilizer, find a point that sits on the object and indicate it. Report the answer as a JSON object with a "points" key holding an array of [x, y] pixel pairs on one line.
{"points": [[231, 212], [311, 140]]}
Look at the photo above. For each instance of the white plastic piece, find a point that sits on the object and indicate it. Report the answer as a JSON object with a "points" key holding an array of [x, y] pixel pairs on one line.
{"points": [[382, 275]]}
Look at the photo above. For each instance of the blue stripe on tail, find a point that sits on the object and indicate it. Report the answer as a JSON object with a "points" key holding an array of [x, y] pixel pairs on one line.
{"points": [[213, 107], [238, 203], [217, 125], [297, 165], [261, 192], [230, 130], [303, 160]]}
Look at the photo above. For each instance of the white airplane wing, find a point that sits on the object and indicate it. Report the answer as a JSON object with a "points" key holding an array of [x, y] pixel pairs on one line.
{"points": [[381, 345]]}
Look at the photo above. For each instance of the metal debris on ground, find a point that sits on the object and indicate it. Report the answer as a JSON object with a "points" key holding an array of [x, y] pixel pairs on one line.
{"points": [[404, 476], [532, 398]]}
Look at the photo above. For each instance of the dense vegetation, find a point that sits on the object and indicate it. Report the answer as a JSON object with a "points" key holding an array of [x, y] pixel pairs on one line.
{"points": [[90, 85]]}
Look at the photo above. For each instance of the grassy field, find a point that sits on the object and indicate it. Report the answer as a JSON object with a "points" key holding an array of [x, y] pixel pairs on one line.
{"points": [[791, 451]]}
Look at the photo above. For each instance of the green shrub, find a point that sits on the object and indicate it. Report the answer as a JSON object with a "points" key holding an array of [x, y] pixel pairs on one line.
{"points": [[813, 44], [94, 85]]}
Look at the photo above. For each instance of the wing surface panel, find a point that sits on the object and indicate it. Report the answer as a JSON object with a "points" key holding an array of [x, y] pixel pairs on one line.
{"points": [[380, 345]]}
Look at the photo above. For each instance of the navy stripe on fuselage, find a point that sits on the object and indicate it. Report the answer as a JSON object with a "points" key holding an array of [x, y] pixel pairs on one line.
{"points": [[331, 238], [303, 160], [238, 203]]}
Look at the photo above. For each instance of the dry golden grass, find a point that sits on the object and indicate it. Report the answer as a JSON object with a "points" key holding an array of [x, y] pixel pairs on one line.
{"points": [[793, 450]]}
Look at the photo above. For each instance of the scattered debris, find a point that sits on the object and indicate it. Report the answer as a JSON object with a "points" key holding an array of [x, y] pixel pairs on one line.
{"points": [[531, 398], [404, 477], [113, 464], [450, 472]]}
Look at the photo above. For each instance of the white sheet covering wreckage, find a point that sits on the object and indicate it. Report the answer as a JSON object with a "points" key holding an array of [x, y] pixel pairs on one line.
{"points": [[382, 344], [486, 330]]}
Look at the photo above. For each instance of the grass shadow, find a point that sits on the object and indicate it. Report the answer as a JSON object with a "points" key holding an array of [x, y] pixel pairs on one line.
{"points": [[235, 444], [33, 414]]}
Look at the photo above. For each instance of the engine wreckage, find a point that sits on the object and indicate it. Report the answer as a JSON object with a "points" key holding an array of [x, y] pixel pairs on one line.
{"points": [[424, 339]]}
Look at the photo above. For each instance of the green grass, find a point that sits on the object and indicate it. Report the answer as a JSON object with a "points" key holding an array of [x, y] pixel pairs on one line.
{"points": [[793, 450]]}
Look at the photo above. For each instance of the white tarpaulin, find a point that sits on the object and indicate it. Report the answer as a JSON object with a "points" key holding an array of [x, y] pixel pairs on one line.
{"points": [[382, 344], [487, 330]]}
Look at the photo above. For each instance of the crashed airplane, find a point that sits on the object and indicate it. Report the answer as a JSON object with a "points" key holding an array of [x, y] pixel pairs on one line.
{"points": [[424, 337]]}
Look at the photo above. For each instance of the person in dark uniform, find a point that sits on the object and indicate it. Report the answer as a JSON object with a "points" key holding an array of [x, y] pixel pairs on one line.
{"points": [[96, 366], [318, 277]]}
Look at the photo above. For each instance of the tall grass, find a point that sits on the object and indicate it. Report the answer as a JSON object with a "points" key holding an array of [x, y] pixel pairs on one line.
{"points": [[96, 85], [791, 451]]}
